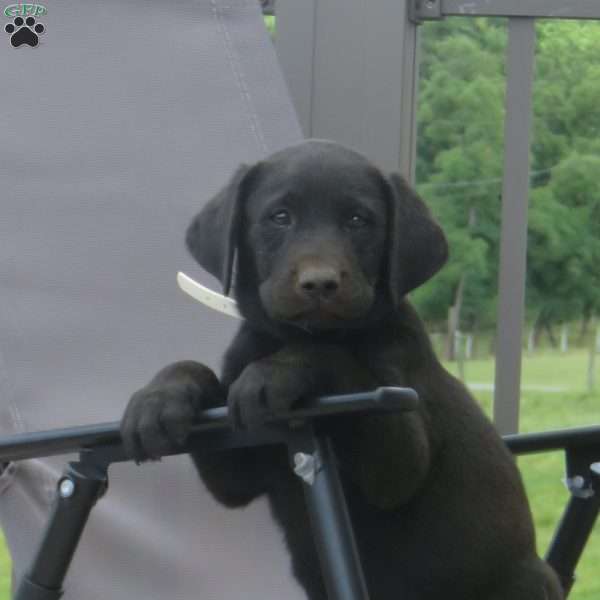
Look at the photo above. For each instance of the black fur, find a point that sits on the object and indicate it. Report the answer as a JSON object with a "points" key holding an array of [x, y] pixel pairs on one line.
{"points": [[326, 248]]}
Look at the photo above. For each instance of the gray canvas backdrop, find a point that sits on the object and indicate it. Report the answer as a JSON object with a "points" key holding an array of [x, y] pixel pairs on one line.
{"points": [[114, 131]]}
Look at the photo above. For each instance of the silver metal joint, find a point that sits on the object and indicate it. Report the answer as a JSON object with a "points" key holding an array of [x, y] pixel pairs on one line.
{"points": [[66, 488], [577, 486], [305, 466], [425, 10]]}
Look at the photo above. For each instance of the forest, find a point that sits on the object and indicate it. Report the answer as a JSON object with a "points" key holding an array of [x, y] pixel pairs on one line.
{"points": [[459, 173]]}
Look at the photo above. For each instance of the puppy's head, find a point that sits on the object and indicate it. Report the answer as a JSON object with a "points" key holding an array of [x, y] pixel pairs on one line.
{"points": [[323, 239]]}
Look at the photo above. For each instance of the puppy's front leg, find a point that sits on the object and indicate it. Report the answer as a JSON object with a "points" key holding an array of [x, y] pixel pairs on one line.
{"points": [[391, 454], [274, 384], [389, 457], [267, 386]]}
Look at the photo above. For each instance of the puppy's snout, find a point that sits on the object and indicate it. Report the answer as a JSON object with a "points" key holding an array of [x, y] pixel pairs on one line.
{"points": [[318, 281]]}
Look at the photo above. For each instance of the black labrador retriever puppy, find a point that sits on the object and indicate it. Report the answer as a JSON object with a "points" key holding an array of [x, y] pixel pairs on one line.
{"points": [[326, 247]]}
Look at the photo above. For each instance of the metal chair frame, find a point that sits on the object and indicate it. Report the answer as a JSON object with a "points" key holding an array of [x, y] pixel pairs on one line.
{"points": [[312, 458]]}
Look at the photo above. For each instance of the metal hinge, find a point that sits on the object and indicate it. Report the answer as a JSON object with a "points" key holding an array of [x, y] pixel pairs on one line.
{"points": [[579, 487], [425, 10]]}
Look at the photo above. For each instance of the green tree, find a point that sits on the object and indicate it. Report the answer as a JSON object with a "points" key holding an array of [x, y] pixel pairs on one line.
{"points": [[459, 169], [564, 241], [459, 165], [564, 222]]}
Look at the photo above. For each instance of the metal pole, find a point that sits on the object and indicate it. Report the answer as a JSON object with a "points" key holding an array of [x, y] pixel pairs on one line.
{"points": [[574, 530], [513, 243], [551, 9], [559, 439], [61, 441], [77, 492], [331, 524]]}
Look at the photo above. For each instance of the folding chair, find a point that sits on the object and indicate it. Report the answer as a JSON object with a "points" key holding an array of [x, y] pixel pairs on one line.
{"points": [[312, 457]]}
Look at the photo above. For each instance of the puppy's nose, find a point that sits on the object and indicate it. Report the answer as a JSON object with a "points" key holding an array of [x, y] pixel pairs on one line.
{"points": [[318, 281]]}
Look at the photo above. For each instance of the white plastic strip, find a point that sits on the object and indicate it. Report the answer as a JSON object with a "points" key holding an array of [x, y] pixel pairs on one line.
{"points": [[207, 296]]}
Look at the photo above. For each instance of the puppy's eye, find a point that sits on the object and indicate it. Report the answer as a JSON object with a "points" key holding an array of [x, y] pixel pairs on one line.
{"points": [[282, 218], [356, 222]]}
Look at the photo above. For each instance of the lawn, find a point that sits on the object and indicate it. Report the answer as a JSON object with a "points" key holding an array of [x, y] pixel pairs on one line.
{"points": [[5, 575], [542, 473]]}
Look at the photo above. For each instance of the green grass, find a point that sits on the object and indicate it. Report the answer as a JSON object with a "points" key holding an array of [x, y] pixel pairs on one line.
{"points": [[5, 575], [542, 473]]}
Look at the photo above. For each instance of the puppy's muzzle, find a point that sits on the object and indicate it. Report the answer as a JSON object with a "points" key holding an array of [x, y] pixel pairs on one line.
{"points": [[321, 289], [318, 282]]}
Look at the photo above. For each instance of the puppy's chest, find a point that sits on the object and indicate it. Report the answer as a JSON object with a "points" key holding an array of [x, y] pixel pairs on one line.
{"points": [[388, 364]]}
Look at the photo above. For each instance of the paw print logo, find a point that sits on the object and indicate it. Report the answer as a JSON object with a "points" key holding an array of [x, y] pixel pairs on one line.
{"points": [[24, 31]]}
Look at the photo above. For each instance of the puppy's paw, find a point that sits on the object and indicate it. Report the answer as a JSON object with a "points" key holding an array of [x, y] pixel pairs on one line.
{"points": [[263, 391], [159, 417]]}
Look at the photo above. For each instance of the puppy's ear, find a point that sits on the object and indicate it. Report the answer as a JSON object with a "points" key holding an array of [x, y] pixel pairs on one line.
{"points": [[212, 236], [418, 246]]}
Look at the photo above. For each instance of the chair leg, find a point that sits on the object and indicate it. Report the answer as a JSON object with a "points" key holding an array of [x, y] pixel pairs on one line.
{"points": [[77, 492], [330, 520]]}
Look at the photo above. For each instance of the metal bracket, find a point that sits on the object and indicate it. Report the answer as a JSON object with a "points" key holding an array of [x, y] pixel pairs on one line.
{"points": [[582, 472], [579, 487], [425, 10], [306, 466], [80, 486]]}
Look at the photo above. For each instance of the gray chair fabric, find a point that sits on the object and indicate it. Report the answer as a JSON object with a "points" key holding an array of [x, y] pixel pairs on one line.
{"points": [[114, 130]]}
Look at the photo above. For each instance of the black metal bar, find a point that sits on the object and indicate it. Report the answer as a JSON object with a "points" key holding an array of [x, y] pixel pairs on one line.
{"points": [[330, 520], [571, 537], [75, 439], [22, 446], [77, 491], [553, 440], [579, 517]]}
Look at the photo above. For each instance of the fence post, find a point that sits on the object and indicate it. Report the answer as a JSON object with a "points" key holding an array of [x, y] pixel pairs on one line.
{"points": [[594, 350]]}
